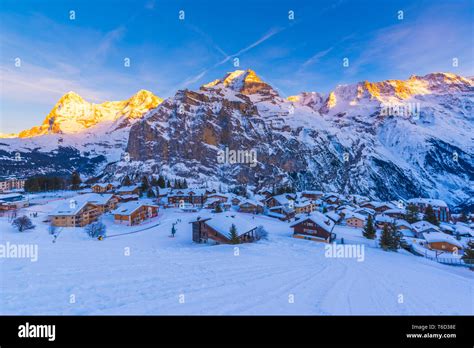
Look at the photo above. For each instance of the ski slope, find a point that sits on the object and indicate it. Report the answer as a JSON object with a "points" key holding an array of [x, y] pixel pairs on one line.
{"points": [[172, 276]]}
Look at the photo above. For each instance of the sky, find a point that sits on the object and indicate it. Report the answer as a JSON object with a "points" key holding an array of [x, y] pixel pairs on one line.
{"points": [[46, 50]]}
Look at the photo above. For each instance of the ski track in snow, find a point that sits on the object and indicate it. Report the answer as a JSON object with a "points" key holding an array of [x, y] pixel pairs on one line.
{"points": [[214, 281]]}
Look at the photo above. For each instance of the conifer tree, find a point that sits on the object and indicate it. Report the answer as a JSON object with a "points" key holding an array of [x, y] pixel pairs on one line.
{"points": [[75, 181], [430, 216], [218, 209], [395, 237], [369, 229], [126, 181], [385, 238], [233, 236], [411, 214], [161, 181]]}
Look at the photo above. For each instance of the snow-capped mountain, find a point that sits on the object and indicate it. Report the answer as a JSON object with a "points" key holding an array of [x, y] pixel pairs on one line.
{"points": [[389, 140], [75, 134]]}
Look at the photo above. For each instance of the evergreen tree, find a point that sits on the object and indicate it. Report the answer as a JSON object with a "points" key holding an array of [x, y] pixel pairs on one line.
{"points": [[463, 217], [218, 208], [325, 210], [369, 229], [395, 237], [168, 183], [75, 181], [385, 238], [233, 236], [185, 184], [411, 215], [145, 186], [161, 181], [150, 193], [430, 216], [126, 181]]}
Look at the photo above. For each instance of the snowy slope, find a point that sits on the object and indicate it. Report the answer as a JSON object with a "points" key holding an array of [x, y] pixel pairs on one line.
{"points": [[160, 271]]}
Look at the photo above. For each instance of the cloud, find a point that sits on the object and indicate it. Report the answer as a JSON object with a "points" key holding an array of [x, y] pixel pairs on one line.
{"points": [[315, 58]]}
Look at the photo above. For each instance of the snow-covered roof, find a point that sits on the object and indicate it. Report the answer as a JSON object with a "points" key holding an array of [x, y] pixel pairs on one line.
{"points": [[384, 218], [401, 222], [421, 226], [103, 185], [281, 199], [463, 229], [186, 192], [11, 195], [252, 202], [128, 188], [312, 192], [395, 211], [365, 210], [129, 207], [434, 237], [429, 201], [446, 226], [355, 215], [222, 223], [333, 216], [318, 218], [76, 203]]}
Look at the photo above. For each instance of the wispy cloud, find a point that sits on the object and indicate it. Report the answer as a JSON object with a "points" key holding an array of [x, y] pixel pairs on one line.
{"points": [[315, 58]]}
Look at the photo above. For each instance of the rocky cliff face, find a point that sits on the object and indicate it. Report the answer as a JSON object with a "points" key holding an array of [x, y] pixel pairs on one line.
{"points": [[393, 139]]}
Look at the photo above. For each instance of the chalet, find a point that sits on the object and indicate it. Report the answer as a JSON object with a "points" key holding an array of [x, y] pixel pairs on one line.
{"points": [[421, 227], [195, 197], [382, 220], [281, 212], [313, 195], [397, 213], [355, 220], [266, 193], [219, 196], [279, 200], [134, 213], [440, 207], [217, 229], [383, 206], [404, 228], [333, 198], [314, 226], [304, 206], [74, 214], [129, 190], [442, 242], [104, 202], [237, 200], [250, 206], [102, 188], [13, 201], [212, 203], [365, 211]]}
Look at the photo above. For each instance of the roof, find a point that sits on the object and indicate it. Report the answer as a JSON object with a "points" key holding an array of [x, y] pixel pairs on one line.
{"points": [[104, 185], [222, 223], [421, 226], [463, 229], [384, 218], [429, 201], [281, 199], [333, 216], [252, 202], [129, 207], [319, 219], [355, 215], [10, 195], [76, 203], [69, 208], [434, 237], [186, 192], [128, 188]]}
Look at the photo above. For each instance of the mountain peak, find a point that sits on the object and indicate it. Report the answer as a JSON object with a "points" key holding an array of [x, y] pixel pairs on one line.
{"points": [[243, 81]]}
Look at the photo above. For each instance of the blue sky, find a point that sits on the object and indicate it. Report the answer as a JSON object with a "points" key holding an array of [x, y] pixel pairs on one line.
{"points": [[87, 54]]}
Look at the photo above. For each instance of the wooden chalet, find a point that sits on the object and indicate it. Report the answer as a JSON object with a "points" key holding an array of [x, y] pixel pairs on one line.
{"points": [[134, 213], [250, 206], [196, 197], [216, 230], [74, 214], [314, 226], [102, 188]]}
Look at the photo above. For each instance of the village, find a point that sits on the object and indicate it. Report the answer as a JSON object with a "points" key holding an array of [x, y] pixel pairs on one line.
{"points": [[423, 226], [135, 248]]}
